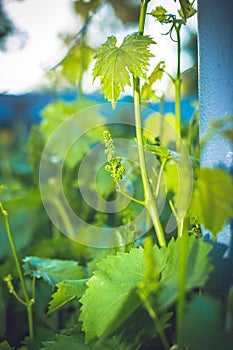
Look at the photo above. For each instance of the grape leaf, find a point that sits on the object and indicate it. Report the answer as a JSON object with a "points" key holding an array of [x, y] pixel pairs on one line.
{"points": [[198, 269], [72, 342], [212, 200], [187, 9], [83, 8], [41, 333], [114, 64], [77, 62], [147, 90], [53, 271], [76, 342], [160, 127], [66, 291], [160, 13], [112, 290]]}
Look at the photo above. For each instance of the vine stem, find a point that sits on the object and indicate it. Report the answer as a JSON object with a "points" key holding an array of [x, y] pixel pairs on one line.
{"points": [[181, 286], [28, 301], [183, 236], [157, 323], [149, 198], [177, 83]]}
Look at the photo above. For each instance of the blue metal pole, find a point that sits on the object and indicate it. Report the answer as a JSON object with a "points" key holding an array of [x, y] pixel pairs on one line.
{"points": [[215, 40]]}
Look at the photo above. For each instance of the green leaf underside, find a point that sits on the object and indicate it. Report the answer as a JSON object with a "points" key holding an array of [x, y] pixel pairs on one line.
{"points": [[66, 291], [187, 9], [53, 271], [113, 288], [114, 64], [212, 199]]}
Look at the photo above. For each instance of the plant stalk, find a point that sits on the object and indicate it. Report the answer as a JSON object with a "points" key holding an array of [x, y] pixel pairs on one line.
{"points": [[157, 324], [177, 83], [28, 301], [149, 198], [181, 287]]}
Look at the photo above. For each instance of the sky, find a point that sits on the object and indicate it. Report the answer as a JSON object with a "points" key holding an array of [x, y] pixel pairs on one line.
{"points": [[41, 22]]}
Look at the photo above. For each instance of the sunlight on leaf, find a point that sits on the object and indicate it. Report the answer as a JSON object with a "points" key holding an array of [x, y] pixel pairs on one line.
{"points": [[66, 291], [147, 92], [109, 288], [113, 288], [114, 64], [160, 13], [77, 62]]}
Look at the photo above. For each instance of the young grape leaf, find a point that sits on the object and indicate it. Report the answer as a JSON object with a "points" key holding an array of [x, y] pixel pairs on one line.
{"points": [[212, 200], [114, 64], [77, 62], [187, 9], [160, 13], [160, 127], [83, 8], [147, 92], [112, 291], [66, 291], [53, 271]]}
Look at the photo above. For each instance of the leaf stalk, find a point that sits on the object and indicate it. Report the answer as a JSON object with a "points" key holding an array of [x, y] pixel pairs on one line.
{"points": [[28, 302]]}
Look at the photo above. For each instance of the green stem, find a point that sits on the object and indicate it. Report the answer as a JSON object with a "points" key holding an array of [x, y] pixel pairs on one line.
{"points": [[160, 177], [33, 288], [154, 317], [119, 189], [19, 270], [142, 17], [149, 198], [177, 83], [181, 288]]}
